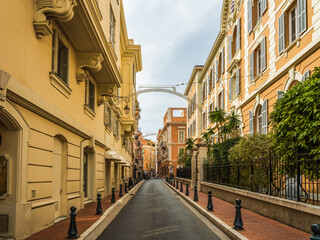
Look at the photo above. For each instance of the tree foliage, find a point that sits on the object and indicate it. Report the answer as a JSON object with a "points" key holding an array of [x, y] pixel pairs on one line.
{"points": [[296, 119], [184, 158], [251, 147], [220, 151]]}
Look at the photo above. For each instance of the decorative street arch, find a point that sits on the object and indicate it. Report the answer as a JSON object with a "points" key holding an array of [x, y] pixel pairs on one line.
{"points": [[164, 90]]}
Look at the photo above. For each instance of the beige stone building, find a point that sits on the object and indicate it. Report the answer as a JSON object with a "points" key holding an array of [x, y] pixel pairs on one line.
{"points": [[263, 48], [65, 127]]}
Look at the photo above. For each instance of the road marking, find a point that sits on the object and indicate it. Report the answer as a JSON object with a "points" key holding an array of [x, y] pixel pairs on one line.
{"points": [[160, 209], [163, 230]]}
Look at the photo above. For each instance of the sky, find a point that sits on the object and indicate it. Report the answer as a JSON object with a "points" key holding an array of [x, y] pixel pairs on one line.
{"points": [[175, 35]]}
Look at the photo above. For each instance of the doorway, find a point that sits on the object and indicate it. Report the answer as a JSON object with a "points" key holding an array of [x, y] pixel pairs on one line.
{"points": [[59, 181]]}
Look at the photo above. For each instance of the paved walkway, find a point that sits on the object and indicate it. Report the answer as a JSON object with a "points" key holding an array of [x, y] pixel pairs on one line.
{"points": [[256, 227], [85, 218], [156, 213]]}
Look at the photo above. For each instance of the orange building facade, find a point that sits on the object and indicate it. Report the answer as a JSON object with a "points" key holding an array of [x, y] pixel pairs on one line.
{"points": [[171, 138], [148, 155], [264, 47]]}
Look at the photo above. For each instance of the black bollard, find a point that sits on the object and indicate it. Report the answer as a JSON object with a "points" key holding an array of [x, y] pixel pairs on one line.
{"points": [[126, 187], [99, 210], [187, 189], [210, 206], [238, 220], [113, 197], [177, 185], [195, 196], [315, 228], [181, 187], [120, 192], [72, 232], [174, 183]]}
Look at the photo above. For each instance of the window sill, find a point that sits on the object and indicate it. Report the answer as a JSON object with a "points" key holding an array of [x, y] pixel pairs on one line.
{"points": [[89, 111], [295, 42], [56, 81]]}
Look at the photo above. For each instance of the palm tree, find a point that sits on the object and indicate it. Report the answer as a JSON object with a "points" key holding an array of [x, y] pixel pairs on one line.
{"points": [[206, 137], [233, 123], [218, 116]]}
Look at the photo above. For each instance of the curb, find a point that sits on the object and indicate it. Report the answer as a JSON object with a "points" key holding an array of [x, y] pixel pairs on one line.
{"points": [[225, 228], [119, 204]]}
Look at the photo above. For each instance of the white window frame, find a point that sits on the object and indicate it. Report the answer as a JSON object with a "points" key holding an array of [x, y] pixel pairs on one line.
{"points": [[181, 136], [290, 24]]}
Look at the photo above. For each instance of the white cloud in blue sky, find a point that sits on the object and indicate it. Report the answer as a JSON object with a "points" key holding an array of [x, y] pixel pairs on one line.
{"points": [[175, 35]]}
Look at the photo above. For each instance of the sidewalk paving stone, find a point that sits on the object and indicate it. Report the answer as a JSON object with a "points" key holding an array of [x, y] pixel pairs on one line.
{"points": [[84, 219], [256, 227]]}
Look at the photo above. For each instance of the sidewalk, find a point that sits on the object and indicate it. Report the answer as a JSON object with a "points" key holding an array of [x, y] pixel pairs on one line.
{"points": [[84, 219], [256, 227]]}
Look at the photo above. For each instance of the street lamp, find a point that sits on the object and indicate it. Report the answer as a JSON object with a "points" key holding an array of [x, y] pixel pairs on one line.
{"points": [[126, 108]]}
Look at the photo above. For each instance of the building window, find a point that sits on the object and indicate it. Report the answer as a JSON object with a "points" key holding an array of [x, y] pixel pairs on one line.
{"points": [[256, 9], [181, 136], [60, 58], [292, 23], [90, 93], [112, 27], [107, 115], [259, 120], [234, 85], [258, 60], [220, 100], [204, 120]]}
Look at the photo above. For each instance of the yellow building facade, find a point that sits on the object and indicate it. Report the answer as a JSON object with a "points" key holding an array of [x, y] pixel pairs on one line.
{"points": [[263, 48], [65, 127]]}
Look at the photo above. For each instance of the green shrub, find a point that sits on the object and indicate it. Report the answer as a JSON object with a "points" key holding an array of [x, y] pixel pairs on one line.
{"points": [[251, 147], [220, 151]]}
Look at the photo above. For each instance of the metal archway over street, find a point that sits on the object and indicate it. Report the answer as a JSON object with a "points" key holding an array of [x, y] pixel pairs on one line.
{"points": [[147, 90]]}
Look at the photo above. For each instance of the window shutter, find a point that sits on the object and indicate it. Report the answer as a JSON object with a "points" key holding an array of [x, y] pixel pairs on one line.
{"points": [[279, 94], [222, 100], [238, 35], [208, 84], [302, 16], [251, 66], [263, 54], [106, 118], [230, 89], [229, 49], [213, 76], [63, 64], [202, 95], [250, 122], [281, 34], [263, 6], [265, 117], [249, 8], [238, 82], [217, 71], [222, 61], [305, 75]]}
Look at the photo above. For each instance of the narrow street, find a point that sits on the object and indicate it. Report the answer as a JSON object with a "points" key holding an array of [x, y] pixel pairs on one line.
{"points": [[157, 213]]}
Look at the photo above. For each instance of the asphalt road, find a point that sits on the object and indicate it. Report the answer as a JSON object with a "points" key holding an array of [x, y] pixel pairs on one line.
{"points": [[156, 213]]}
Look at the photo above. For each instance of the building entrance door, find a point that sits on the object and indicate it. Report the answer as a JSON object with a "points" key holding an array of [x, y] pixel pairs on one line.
{"points": [[57, 175], [85, 174]]}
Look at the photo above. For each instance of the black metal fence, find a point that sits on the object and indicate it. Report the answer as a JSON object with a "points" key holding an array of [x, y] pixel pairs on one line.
{"points": [[296, 178], [184, 173]]}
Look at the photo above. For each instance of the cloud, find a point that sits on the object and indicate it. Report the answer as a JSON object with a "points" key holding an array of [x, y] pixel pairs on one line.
{"points": [[174, 35]]}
